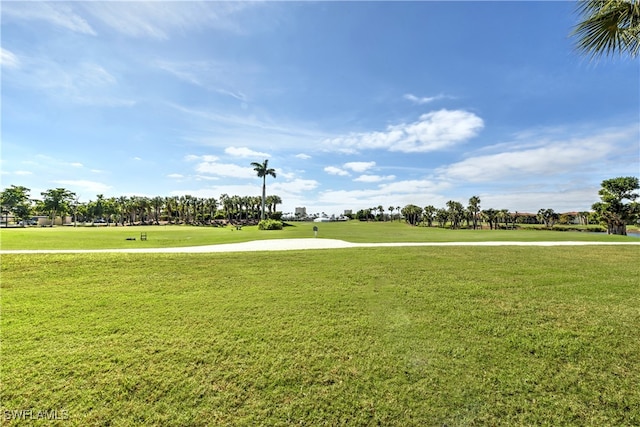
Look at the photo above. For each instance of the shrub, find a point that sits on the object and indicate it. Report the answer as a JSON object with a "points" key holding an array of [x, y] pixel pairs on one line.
{"points": [[277, 215], [269, 224]]}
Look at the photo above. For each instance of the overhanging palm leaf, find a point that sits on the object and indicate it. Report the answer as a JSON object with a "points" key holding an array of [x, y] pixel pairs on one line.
{"points": [[609, 27]]}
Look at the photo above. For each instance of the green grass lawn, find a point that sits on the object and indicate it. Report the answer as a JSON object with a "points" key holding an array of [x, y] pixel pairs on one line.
{"points": [[352, 231], [390, 336]]}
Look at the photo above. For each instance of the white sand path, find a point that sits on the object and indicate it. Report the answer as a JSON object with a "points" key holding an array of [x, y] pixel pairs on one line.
{"points": [[300, 244]]}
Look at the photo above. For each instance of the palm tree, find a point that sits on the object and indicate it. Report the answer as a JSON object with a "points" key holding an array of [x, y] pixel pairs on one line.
{"points": [[455, 210], [442, 215], [429, 214], [490, 215], [263, 170], [474, 210], [273, 201], [391, 209], [608, 27], [171, 205], [412, 213], [157, 203]]}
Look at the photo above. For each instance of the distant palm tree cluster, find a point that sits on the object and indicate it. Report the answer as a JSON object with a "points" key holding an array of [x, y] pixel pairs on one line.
{"points": [[124, 210], [455, 215], [612, 210]]}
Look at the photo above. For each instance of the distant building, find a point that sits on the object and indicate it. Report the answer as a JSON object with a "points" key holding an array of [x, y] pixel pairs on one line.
{"points": [[301, 212], [347, 212]]}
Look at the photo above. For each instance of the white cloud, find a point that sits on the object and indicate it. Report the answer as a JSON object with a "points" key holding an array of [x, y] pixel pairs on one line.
{"points": [[55, 13], [76, 164], [210, 165], [530, 201], [437, 130], [401, 193], [359, 166], [175, 176], [332, 170], [204, 158], [244, 152], [422, 100], [302, 156], [295, 186], [84, 185], [22, 173], [540, 158], [374, 178], [8, 59]]}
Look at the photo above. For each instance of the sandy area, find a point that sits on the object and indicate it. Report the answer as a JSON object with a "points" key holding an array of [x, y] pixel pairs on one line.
{"points": [[302, 244]]}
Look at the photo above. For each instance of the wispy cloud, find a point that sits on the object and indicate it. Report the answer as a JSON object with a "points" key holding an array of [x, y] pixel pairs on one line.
{"points": [[302, 156], [159, 20], [433, 131], [244, 152], [422, 100], [217, 77], [59, 14], [8, 59], [217, 129], [85, 83]]}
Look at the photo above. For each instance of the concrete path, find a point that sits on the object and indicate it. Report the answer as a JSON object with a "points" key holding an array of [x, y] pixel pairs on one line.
{"points": [[299, 244]]}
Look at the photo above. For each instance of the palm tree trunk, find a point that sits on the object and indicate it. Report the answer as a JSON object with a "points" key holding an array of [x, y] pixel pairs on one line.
{"points": [[264, 195]]}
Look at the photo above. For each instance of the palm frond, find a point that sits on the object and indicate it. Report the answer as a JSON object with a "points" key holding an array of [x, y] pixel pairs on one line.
{"points": [[609, 27]]}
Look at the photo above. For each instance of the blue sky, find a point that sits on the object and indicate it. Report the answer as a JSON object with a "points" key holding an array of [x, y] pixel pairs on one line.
{"points": [[355, 104]]}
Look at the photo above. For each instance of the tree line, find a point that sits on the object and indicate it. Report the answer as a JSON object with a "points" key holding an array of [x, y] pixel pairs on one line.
{"points": [[123, 210], [611, 211], [616, 209]]}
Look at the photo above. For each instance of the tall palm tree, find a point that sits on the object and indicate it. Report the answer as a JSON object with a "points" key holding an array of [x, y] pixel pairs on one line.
{"points": [[474, 210], [263, 170], [608, 27]]}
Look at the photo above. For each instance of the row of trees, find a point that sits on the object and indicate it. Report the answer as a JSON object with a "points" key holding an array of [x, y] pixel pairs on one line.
{"points": [[611, 211], [616, 209], [123, 210]]}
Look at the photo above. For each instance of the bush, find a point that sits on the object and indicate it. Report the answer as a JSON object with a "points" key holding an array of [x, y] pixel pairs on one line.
{"points": [[277, 215], [269, 224]]}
